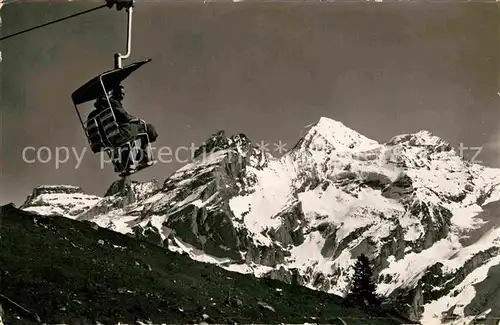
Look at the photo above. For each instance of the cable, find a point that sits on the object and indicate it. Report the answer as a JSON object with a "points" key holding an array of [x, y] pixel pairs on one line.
{"points": [[52, 22], [6, 2]]}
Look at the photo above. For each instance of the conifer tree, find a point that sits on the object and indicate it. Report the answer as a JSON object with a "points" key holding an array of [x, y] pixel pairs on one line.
{"points": [[362, 288]]}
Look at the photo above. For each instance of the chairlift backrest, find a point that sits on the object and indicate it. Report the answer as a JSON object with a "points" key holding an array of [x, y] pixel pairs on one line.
{"points": [[103, 130], [94, 135], [109, 124]]}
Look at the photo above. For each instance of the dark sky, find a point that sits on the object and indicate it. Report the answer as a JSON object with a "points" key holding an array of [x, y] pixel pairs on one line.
{"points": [[266, 70]]}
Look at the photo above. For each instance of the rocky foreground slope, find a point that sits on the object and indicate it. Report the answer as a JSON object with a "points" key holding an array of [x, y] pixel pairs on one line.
{"points": [[428, 218], [55, 270]]}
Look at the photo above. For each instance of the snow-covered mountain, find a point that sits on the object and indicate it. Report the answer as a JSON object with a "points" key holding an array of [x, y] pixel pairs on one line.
{"points": [[429, 219], [62, 200]]}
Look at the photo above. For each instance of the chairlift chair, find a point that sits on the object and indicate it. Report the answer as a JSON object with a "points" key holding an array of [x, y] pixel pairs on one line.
{"points": [[102, 131]]}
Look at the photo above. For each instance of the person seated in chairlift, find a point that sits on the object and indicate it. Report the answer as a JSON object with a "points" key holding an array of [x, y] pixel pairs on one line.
{"points": [[123, 117], [129, 125]]}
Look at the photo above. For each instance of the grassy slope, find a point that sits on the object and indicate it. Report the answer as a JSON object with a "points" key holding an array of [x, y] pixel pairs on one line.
{"points": [[56, 268]]}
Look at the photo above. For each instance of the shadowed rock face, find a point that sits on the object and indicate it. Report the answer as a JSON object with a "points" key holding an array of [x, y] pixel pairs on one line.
{"points": [[133, 190], [120, 194], [305, 217], [291, 231], [400, 188], [487, 299], [491, 217], [436, 283], [211, 232], [121, 186]]}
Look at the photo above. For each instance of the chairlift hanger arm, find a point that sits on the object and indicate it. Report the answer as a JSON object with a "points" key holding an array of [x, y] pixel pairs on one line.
{"points": [[119, 56]]}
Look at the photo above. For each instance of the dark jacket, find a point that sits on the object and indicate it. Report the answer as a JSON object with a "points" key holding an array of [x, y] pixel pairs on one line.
{"points": [[122, 116], [129, 125]]}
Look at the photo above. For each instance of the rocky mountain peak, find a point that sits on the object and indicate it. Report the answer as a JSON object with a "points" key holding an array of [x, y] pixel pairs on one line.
{"points": [[331, 134], [121, 193], [119, 186], [67, 200], [53, 189], [219, 141], [422, 138], [50, 190], [133, 189]]}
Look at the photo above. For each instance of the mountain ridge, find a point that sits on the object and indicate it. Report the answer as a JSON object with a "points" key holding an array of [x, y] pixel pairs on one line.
{"points": [[412, 199]]}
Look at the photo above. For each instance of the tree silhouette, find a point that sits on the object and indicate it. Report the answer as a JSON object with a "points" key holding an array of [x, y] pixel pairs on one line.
{"points": [[362, 288]]}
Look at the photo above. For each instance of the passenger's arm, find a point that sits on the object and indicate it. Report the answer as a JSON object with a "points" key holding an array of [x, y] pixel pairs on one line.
{"points": [[119, 108], [91, 115]]}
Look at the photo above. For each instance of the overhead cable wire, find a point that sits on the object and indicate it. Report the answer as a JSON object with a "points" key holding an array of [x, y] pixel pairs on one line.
{"points": [[53, 22]]}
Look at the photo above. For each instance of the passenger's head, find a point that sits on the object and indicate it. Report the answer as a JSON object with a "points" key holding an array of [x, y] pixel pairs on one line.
{"points": [[118, 92], [101, 102]]}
